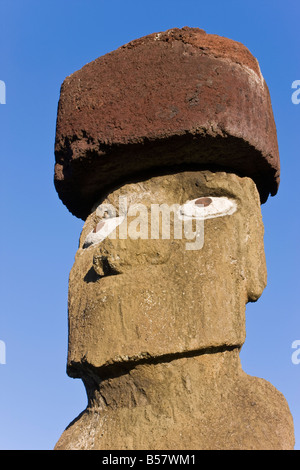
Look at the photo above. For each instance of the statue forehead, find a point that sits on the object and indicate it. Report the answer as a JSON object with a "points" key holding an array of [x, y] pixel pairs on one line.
{"points": [[178, 187]]}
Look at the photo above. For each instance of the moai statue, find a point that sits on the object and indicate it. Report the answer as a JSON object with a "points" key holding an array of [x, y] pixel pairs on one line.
{"points": [[170, 131]]}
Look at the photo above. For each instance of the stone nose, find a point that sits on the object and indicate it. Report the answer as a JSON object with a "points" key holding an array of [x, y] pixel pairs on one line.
{"points": [[104, 266]]}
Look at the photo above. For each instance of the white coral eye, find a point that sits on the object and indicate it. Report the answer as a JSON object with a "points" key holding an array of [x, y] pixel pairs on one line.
{"points": [[102, 230], [207, 208]]}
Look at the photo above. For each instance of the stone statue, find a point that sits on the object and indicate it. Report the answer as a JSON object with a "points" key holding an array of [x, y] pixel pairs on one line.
{"points": [[166, 148]]}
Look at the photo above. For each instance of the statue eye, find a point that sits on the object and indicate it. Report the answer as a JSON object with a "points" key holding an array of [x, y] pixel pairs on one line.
{"points": [[109, 220], [102, 230], [207, 208]]}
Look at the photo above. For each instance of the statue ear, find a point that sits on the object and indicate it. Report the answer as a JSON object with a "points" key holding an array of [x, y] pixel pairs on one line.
{"points": [[255, 270]]}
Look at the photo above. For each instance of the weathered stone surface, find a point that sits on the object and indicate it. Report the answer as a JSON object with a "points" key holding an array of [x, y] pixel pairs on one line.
{"points": [[155, 329], [166, 101], [178, 122], [204, 402], [131, 299]]}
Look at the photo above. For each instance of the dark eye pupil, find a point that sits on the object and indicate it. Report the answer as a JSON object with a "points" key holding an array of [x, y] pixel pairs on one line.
{"points": [[205, 201], [98, 227]]}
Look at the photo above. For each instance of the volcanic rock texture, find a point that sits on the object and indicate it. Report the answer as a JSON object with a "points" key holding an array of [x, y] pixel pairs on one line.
{"points": [[181, 98]]}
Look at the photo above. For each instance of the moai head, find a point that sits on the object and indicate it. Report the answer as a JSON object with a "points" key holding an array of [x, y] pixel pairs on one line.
{"points": [[145, 290], [180, 119]]}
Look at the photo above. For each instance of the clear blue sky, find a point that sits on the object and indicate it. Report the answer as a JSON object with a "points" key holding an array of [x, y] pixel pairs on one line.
{"points": [[42, 42]]}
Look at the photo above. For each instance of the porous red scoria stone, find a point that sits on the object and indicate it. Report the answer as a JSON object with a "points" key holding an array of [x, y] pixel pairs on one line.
{"points": [[180, 99]]}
